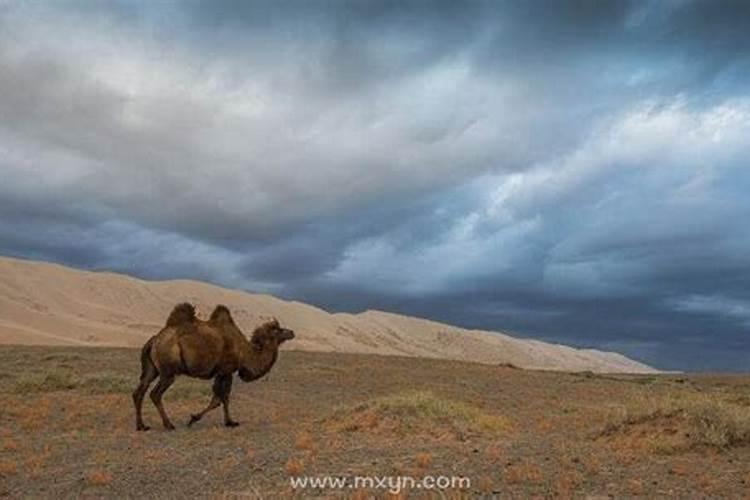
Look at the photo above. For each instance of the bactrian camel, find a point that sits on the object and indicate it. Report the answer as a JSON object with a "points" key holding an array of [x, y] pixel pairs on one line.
{"points": [[205, 349]]}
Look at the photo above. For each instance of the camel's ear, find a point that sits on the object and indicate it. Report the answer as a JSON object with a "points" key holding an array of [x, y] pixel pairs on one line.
{"points": [[270, 320], [221, 315]]}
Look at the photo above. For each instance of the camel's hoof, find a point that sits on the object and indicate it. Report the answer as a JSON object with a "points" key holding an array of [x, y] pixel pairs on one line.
{"points": [[231, 423], [193, 419], [142, 428], [169, 426]]}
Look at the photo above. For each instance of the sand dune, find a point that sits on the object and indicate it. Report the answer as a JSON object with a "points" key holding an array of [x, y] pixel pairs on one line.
{"points": [[49, 304]]}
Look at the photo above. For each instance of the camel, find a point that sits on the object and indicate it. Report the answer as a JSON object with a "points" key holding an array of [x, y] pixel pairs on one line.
{"points": [[205, 349]]}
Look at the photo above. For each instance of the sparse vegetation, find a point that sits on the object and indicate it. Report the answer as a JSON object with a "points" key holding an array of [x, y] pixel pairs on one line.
{"points": [[48, 381], [684, 420], [52, 379], [294, 466], [423, 459], [35, 462], [417, 412], [303, 441], [523, 473], [99, 477], [107, 383], [7, 468], [187, 389], [515, 433], [9, 445]]}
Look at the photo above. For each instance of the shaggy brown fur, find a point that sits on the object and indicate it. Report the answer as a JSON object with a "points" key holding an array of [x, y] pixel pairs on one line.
{"points": [[181, 314], [205, 349]]}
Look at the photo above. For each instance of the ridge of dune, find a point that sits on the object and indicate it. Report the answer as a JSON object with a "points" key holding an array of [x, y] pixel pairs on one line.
{"points": [[50, 304]]}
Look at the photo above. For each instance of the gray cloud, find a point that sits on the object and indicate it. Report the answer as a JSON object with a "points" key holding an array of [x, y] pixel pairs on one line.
{"points": [[570, 171]]}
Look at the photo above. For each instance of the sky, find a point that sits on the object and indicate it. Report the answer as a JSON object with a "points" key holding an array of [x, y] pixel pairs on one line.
{"points": [[571, 171]]}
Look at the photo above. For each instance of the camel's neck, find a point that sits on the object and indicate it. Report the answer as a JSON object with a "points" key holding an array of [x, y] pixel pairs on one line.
{"points": [[258, 364]]}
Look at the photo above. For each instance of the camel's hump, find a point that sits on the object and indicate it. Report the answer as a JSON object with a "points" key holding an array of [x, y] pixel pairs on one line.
{"points": [[221, 315], [181, 314]]}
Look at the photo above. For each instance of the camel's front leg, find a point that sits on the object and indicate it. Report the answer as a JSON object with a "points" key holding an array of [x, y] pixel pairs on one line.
{"points": [[225, 390], [219, 389], [164, 382], [215, 402]]}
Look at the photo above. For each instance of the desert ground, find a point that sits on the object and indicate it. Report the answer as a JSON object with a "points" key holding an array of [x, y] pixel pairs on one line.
{"points": [[67, 429]]}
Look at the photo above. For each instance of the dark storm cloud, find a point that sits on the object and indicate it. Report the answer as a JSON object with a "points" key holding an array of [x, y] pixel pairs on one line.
{"points": [[572, 171]]}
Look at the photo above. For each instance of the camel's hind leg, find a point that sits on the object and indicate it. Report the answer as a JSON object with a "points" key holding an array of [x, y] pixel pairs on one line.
{"points": [[221, 388], [148, 374], [161, 387]]}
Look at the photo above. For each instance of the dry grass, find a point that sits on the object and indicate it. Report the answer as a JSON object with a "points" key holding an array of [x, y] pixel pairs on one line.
{"points": [[485, 484], [99, 477], [515, 433], [523, 473], [250, 454], [566, 483], [423, 460], [10, 445], [49, 381], [634, 487], [35, 462], [7, 468], [31, 416], [418, 412], [493, 453], [676, 422], [304, 441], [294, 466], [52, 379], [58, 378]]}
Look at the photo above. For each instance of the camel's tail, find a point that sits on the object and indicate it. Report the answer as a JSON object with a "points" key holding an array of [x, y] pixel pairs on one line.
{"points": [[146, 354]]}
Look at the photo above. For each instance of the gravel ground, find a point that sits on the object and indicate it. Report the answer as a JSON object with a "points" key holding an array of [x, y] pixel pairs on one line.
{"points": [[67, 430]]}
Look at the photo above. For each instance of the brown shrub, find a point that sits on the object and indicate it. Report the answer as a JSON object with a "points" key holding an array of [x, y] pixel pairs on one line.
{"points": [[10, 445], [8, 468], [567, 482], [99, 477], [34, 415], [523, 473], [635, 487], [294, 466], [493, 453], [486, 485], [35, 462], [303, 441], [423, 460]]}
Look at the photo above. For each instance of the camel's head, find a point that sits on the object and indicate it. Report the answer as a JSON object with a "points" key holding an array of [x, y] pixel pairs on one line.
{"points": [[264, 344], [269, 336]]}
